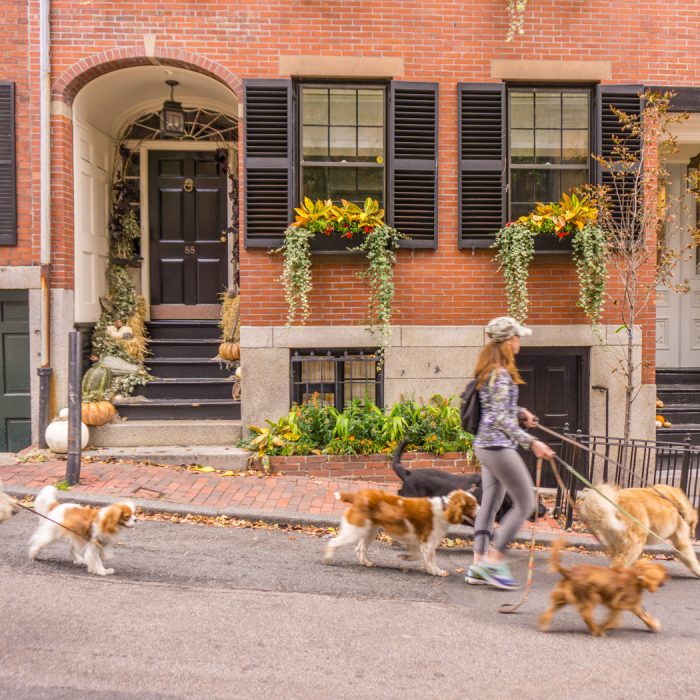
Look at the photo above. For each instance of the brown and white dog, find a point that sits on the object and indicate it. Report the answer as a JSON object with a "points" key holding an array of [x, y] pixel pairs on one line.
{"points": [[7, 505], [663, 509], [619, 589], [420, 523], [91, 530]]}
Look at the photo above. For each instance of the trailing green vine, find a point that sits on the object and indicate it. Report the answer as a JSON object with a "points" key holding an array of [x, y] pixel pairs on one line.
{"points": [[378, 241], [380, 246], [590, 248], [574, 217], [516, 248], [296, 272]]}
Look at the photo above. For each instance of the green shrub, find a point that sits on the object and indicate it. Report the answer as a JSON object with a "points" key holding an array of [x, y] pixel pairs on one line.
{"points": [[362, 428]]}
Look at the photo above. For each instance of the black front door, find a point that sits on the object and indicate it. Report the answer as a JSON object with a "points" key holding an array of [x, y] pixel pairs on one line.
{"points": [[187, 221], [15, 398], [556, 390]]}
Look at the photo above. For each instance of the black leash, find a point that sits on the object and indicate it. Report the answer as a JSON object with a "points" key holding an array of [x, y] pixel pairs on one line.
{"points": [[55, 522]]}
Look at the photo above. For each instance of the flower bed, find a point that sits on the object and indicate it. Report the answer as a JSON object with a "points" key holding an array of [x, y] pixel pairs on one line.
{"points": [[375, 467]]}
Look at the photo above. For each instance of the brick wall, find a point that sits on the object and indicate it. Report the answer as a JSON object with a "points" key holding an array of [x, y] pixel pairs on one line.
{"points": [[368, 467], [19, 65], [447, 41]]}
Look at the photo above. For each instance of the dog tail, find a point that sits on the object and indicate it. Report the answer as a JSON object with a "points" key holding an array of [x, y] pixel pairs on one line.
{"points": [[46, 501], [555, 559], [400, 470], [597, 508], [345, 497]]}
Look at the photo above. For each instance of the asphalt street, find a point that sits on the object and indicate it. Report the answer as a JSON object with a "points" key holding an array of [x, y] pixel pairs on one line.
{"points": [[207, 612]]}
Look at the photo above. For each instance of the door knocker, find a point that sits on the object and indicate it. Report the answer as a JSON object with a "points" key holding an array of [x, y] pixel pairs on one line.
{"points": [[189, 185]]}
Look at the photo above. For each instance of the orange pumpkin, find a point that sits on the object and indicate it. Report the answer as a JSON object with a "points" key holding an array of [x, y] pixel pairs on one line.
{"points": [[98, 412], [230, 351]]}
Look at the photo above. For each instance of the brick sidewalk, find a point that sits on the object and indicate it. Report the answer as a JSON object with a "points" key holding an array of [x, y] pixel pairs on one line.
{"points": [[274, 495]]}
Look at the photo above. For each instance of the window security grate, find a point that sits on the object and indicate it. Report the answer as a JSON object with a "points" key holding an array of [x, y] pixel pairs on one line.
{"points": [[336, 377]]}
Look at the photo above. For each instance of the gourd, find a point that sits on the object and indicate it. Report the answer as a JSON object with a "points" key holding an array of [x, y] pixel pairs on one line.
{"points": [[97, 381], [57, 433], [230, 351], [98, 412]]}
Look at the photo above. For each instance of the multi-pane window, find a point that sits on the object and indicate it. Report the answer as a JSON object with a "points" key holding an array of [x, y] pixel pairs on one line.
{"points": [[336, 378], [342, 143], [549, 145]]}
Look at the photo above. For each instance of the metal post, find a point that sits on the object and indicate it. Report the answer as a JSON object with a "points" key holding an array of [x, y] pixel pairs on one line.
{"points": [[44, 403], [685, 467], [74, 407]]}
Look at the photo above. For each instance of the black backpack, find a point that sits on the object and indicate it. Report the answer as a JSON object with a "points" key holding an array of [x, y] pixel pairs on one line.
{"points": [[470, 410]]}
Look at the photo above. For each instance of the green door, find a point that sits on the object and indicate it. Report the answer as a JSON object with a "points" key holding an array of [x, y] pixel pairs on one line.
{"points": [[15, 400]]}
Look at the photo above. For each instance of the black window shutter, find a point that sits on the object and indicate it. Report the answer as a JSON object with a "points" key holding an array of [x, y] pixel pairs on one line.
{"points": [[268, 161], [482, 162], [8, 199], [412, 176], [626, 98]]}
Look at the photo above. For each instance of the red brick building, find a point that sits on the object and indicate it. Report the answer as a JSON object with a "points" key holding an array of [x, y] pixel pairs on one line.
{"points": [[423, 105]]}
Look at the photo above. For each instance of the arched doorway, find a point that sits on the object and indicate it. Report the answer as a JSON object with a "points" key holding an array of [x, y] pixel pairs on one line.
{"points": [[183, 191]]}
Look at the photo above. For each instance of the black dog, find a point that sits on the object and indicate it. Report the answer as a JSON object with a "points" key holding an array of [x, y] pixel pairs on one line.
{"points": [[427, 483]]}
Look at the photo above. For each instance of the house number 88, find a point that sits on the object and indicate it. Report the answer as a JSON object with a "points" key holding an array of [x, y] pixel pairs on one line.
{"points": [[189, 250]]}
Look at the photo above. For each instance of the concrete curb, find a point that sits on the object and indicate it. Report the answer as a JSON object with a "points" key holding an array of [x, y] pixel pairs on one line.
{"points": [[282, 518]]}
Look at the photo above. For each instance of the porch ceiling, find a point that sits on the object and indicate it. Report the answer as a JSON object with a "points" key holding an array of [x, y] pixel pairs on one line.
{"points": [[112, 100]]}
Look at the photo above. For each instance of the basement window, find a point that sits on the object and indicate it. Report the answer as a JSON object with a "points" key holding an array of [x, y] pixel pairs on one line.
{"points": [[336, 377]]}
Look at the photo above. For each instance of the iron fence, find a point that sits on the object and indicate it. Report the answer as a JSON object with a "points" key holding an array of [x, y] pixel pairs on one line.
{"points": [[629, 464]]}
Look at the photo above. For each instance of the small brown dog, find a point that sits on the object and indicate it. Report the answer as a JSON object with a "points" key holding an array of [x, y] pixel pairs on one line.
{"points": [[619, 589], [420, 523]]}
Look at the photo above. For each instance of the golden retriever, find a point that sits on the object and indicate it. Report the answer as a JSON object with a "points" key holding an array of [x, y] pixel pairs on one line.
{"points": [[619, 589], [663, 509]]}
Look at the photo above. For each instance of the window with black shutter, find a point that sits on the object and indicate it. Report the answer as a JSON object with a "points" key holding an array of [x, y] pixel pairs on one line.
{"points": [[339, 140], [482, 162], [627, 99], [8, 198], [269, 161], [413, 147]]}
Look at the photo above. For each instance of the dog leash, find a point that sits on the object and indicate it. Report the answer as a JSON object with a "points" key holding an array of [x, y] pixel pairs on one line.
{"points": [[55, 522], [508, 608], [609, 500], [606, 458]]}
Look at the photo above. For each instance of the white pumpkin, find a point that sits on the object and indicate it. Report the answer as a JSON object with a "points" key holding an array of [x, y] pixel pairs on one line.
{"points": [[238, 372], [112, 332], [57, 433]]}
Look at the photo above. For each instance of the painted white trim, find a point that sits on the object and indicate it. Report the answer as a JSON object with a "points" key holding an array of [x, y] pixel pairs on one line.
{"points": [[155, 105], [155, 145]]}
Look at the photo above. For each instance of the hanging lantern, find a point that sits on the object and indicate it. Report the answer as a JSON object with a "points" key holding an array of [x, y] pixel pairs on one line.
{"points": [[172, 116]]}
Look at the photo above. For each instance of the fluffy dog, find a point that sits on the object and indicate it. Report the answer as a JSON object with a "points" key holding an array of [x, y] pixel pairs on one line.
{"points": [[663, 509], [92, 530], [420, 523], [7, 505], [428, 483], [619, 589]]}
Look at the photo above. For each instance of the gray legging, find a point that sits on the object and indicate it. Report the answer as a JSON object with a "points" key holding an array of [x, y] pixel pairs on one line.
{"points": [[502, 470]]}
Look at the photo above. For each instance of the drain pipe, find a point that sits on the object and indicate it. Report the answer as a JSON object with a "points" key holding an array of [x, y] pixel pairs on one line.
{"points": [[45, 370]]}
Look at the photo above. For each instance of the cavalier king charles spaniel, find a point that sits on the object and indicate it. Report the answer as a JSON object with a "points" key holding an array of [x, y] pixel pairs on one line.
{"points": [[88, 530], [419, 523]]}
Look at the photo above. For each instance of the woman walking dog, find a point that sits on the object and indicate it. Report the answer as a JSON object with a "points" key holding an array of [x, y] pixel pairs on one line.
{"points": [[496, 448]]}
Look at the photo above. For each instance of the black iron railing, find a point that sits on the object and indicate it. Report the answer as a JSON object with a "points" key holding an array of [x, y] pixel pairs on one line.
{"points": [[630, 464]]}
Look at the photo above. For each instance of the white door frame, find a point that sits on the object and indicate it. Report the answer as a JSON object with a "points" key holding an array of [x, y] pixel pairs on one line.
{"points": [[155, 145]]}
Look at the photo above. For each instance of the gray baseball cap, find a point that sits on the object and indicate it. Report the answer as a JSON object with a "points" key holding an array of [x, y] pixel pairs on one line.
{"points": [[504, 327]]}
